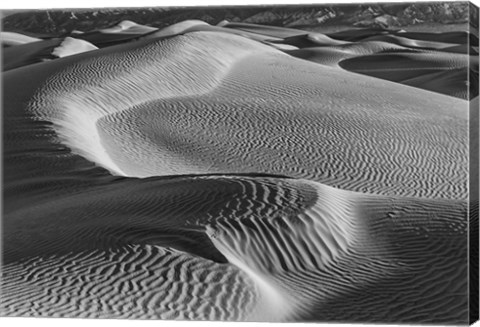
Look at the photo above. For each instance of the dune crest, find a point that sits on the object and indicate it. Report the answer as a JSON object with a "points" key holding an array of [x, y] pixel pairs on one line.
{"points": [[173, 90], [75, 114], [71, 46]]}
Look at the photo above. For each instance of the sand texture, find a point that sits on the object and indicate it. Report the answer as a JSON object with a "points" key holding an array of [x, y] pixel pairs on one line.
{"points": [[237, 172]]}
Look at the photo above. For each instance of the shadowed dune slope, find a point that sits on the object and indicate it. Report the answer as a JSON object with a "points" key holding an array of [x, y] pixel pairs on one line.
{"points": [[234, 248], [123, 32], [305, 41], [333, 55], [29, 53], [358, 34], [452, 82], [449, 69]]}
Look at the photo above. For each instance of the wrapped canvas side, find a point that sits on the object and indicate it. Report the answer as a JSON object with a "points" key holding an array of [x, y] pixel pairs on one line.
{"points": [[474, 166]]}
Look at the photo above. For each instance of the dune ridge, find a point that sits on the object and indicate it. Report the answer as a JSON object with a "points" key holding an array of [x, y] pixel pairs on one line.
{"points": [[75, 121], [280, 237], [114, 129]]}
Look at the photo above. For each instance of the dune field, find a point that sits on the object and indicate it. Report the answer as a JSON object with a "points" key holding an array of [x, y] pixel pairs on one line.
{"points": [[237, 172]]}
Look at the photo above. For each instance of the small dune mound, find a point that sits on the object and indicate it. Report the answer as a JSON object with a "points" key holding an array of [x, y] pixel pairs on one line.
{"points": [[128, 27], [71, 46], [178, 28], [11, 39], [311, 40], [125, 31], [411, 43]]}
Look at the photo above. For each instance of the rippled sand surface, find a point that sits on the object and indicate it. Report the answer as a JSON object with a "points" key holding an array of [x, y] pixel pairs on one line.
{"points": [[236, 172]]}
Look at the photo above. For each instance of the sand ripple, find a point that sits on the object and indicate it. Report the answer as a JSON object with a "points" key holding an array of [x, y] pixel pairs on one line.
{"points": [[299, 119], [279, 243]]}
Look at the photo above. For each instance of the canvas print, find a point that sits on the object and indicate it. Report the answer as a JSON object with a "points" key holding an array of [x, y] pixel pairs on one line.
{"points": [[301, 163]]}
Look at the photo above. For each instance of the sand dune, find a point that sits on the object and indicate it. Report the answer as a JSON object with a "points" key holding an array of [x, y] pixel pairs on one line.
{"points": [[128, 27], [178, 28], [453, 82], [29, 53], [449, 70], [71, 46], [45, 50], [311, 40], [462, 49], [124, 31], [406, 63], [333, 55], [294, 37], [144, 122], [213, 173], [460, 37], [110, 234], [411, 43], [189, 26], [11, 38], [358, 34], [273, 31]]}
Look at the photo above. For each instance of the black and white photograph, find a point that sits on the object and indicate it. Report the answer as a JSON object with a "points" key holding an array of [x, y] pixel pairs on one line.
{"points": [[259, 163]]}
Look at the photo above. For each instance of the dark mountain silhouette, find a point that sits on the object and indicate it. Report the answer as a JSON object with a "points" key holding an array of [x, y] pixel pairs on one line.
{"points": [[389, 15]]}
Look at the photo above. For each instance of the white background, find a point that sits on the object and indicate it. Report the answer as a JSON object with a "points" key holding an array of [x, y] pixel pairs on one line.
{"points": [[31, 4]]}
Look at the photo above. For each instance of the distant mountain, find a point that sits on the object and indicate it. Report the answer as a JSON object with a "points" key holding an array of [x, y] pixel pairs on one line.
{"points": [[362, 15]]}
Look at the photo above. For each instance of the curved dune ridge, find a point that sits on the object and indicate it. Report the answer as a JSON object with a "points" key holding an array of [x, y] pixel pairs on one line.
{"points": [[164, 115], [220, 173], [161, 74], [282, 244]]}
